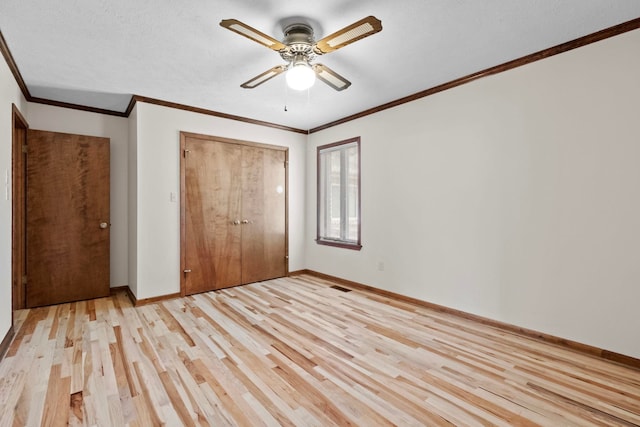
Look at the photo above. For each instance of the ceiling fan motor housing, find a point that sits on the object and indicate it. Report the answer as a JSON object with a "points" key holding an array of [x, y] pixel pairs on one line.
{"points": [[299, 41]]}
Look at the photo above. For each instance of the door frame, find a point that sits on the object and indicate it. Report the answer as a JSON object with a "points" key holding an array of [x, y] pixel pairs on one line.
{"points": [[19, 128], [183, 205]]}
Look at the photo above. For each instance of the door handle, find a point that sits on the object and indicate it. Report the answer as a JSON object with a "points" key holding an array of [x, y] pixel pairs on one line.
{"points": [[104, 225], [187, 271]]}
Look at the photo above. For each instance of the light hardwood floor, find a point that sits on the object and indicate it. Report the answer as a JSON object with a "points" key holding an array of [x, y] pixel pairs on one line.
{"points": [[296, 352]]}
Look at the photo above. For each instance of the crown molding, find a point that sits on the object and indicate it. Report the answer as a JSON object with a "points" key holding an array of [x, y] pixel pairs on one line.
{"points": [[4, 48], [138, 98], [76, 106], [634, 24]]}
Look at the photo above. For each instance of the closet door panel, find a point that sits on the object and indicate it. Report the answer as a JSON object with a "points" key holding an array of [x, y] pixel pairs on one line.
{"points": [[212, 213], [263, 214]]}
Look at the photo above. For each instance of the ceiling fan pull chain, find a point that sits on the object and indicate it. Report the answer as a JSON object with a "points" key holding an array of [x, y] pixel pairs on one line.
{"points": [[286, 97]]}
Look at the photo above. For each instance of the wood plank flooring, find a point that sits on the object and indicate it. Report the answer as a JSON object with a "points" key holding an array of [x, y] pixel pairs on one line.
{"points": [[295, 352]]}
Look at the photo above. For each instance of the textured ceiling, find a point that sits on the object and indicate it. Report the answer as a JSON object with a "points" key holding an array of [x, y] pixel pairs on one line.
{"points": [[98, 53]]}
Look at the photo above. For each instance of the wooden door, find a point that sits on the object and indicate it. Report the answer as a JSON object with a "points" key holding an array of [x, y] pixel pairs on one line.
{"points": [[212, 190], [233, 227], [67, 218], [263, 214]]}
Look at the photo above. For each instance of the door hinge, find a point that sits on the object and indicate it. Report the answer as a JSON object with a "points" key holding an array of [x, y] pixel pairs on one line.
{"points": [[24, 148], [186, 151], [24, 280], [286, 163]]}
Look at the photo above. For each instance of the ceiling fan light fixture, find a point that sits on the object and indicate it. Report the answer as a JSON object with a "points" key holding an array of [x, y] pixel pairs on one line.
{"points": [[300, 75]]}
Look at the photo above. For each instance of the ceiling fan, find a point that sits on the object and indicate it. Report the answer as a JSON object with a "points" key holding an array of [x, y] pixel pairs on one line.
{"points": [[299, 48]]}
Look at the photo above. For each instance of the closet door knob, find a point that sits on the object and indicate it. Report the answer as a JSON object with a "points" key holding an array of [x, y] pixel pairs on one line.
{"points": [[245, 221], [236, 222]]}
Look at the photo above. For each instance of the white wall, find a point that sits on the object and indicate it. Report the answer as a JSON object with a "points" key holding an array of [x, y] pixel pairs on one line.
{"points": [[9, 94], [515, 197], [158, 174], [56, 119]]}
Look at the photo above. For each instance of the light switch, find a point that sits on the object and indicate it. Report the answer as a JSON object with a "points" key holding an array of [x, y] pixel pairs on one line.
{"points": [[173, 197]]}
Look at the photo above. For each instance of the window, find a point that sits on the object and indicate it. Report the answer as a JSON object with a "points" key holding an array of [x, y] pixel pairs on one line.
{"points": [[339, 194]]}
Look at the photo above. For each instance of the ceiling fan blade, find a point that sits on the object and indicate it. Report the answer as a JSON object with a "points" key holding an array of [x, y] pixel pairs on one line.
{"points": [[267, 75], [354, 32], [251, 33], [330, 77]]}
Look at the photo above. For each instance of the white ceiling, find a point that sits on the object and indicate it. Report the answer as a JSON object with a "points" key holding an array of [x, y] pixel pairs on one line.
{"points": [[98, 53]]}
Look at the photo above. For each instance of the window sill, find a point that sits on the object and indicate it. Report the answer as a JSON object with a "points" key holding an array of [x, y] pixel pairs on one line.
{"points": [[339, 244]]}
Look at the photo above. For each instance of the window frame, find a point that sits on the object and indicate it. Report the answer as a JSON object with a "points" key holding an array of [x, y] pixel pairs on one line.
{"points": [[322, 240]]}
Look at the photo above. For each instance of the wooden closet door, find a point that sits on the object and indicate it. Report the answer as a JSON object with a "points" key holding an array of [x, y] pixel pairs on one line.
{"points": [[263, 214], [212, 187]]}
